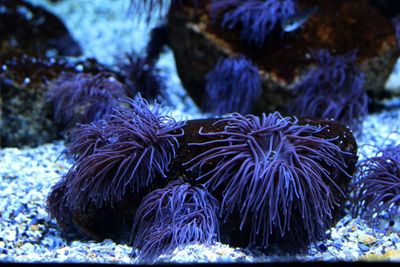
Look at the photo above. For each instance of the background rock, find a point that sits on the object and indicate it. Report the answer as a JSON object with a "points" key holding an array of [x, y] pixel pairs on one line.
{"points": [[339, 26]]}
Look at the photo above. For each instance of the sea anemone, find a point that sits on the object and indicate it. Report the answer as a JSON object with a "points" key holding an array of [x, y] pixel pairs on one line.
{"points": [[232, 86], [140, 72], [332, 90], [272, 171], [142, 77], [133, 147], [377, 187], [56, 206], [179, 214], [84, 98], [257, 18], [84, 139]]}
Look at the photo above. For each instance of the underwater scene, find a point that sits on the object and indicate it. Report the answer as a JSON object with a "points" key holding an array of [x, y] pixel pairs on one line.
{"points": [[199, 131]]}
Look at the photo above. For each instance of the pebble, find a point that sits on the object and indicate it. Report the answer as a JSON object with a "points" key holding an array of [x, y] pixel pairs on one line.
{"points": [[363, 247], [366, 239]]}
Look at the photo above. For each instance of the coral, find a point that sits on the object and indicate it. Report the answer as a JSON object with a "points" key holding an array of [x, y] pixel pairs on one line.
{"points": [[377, 187], [84, 98], [176, 215], [334, 89], [257, 18], [232, 86], [272, 171], [133, 148]]}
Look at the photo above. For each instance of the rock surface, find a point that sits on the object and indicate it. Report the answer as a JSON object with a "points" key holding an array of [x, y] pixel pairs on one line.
{"points": [[339, 26], [35, 30], [26, 112]]}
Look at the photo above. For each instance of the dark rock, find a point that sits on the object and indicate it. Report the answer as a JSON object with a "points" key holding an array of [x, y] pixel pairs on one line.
{"points": [[322, 248], [26, 116], [338, 26], [389, 8], [34, 30]]}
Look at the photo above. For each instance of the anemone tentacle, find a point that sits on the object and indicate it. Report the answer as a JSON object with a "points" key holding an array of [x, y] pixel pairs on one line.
{"points": [[84, 98], [334, 89], [176, 215], [377, 186], [137, 144], [257, 18], [232, 86], [270, 168]]}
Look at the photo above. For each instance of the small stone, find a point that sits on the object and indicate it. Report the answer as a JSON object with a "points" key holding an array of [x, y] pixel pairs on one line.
{"points": [[34, 227], [363, 248], [322, 248], [338, 244], [366, 238]]}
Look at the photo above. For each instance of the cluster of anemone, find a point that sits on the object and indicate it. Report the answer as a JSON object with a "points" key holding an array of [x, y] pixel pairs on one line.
{"points": [[124, 153], [377, 186], [334, 89], [272, 170], [84, 98], [232, 85], [278, 175], [177, 215], [257, 18], [275, 178]]}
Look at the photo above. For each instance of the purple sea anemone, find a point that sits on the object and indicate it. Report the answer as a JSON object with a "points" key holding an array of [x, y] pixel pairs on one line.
{"points": [[332, 90], [132, 148], [377, 187], [140, 73], [257, 18], [84, 139], [272, 171], [84, 98], [232, 86], [143, 77], [176, 215]]}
